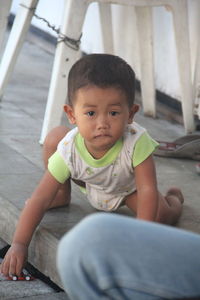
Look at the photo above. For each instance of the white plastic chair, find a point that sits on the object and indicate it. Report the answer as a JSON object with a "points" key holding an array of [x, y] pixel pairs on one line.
{"points": [[4, 13], [72, 23]]}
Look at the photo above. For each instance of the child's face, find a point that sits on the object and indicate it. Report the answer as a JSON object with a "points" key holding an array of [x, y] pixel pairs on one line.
{"points": [[101, 115]]}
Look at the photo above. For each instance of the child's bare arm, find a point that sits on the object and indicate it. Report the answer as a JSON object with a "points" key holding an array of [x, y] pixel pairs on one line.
{"points": [[147, 193], [29, 219]]}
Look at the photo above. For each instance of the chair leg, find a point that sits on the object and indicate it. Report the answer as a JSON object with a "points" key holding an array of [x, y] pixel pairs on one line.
{"points": [[4, 13], [196, 85], [180, 20], [15, 41], [64, 58], [196, 82], [106, 27], [145, 35]]}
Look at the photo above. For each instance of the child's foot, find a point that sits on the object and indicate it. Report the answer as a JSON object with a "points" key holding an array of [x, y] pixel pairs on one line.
{"points": [[175, 193], [198, 168]]}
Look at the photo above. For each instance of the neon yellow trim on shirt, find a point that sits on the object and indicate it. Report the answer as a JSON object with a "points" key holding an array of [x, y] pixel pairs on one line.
{"points": [[143, 149], [58, 168], [107, 159]]}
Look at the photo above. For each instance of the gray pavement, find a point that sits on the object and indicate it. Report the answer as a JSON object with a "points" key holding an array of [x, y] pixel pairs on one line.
{"points": [[21, 116]]}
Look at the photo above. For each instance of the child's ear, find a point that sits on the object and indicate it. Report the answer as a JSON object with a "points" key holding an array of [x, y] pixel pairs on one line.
{"points": [[132, 112], [70, 113]]}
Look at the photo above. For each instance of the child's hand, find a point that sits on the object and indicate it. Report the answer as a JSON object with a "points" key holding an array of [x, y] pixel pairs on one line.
{"points": [[14, 260]]}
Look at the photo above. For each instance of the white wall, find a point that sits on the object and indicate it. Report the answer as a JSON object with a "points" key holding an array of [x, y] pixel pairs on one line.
{"points": [[51, 10], [125, 37]]}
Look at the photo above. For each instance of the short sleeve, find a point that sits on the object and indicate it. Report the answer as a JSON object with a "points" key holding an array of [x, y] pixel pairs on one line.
{"points": [[58, 168], [144, 147]]}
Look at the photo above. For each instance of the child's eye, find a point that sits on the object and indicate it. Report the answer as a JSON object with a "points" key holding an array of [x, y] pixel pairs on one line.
{"points": [[90, 113], [114, 113]]}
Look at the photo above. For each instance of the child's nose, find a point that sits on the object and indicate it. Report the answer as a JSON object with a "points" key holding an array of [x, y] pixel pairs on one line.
{"points": [[103, 122]]}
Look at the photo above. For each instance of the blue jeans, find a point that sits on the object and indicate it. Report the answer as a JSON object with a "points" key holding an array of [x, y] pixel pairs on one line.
{"points": [[109, 256]]}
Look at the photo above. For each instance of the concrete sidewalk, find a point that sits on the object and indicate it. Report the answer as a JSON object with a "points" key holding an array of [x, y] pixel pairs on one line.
{"points": [[21, 167]]}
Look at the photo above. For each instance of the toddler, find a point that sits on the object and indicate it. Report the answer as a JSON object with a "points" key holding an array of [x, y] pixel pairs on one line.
{"points": [[107, 154]]}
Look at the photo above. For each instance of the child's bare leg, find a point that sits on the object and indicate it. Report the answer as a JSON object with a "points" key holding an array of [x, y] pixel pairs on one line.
{"points": [[170, 206], [63, 196]]}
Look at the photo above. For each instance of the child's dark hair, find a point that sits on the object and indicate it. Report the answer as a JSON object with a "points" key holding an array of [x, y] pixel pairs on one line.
{"points": [[102, 70]]}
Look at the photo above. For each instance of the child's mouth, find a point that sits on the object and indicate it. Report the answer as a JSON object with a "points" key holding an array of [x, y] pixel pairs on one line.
{"points": [[102, 136]]}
